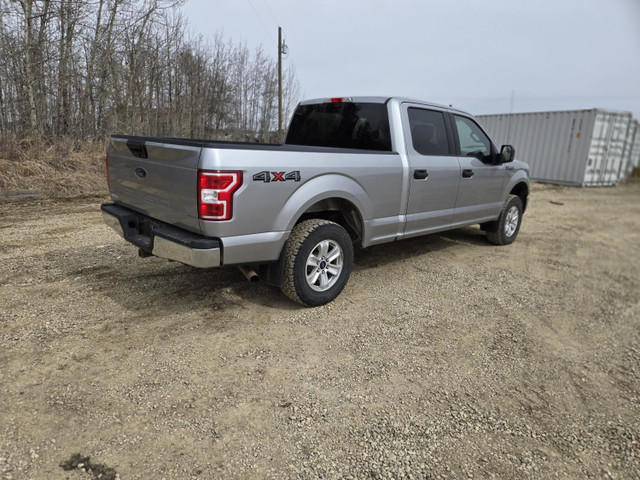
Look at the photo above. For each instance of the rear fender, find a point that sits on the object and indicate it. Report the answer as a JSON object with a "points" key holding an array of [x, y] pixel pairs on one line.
{"points": [[322, 188]]}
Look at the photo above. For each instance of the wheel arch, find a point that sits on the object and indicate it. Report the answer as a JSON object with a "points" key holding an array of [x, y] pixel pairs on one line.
{"points": [[332, 197], [338, 210], [521, 189]]}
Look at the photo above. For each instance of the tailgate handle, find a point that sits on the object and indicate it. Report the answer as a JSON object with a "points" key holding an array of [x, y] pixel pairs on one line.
{"points": [[137, 149]]}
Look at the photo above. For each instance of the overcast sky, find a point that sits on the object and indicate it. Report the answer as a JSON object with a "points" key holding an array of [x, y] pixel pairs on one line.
{"points": [[552, 54]]}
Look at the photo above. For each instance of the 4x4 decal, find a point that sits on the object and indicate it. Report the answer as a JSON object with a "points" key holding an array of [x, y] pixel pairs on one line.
{"points": [[266, 176]]}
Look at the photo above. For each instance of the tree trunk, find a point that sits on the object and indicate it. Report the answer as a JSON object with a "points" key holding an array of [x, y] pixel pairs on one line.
{"points": [[27, 8]]}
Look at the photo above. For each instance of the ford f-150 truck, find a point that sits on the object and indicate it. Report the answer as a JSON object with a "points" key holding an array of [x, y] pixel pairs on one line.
{"points": [[352, 172]]}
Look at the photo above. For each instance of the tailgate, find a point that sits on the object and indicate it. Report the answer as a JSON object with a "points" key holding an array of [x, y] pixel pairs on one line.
{"points": [[155, 178]]}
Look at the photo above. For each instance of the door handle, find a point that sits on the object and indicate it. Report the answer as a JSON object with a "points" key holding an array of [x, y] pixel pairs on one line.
{"points": [[467, 173], [420, 174]]}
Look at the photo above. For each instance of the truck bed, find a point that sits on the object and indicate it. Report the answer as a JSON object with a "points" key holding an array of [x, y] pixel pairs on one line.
{"points": [[223, 144]]}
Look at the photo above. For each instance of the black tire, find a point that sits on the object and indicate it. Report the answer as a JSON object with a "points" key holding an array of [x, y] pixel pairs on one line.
{"points": [[505, 233], [305, 238]]}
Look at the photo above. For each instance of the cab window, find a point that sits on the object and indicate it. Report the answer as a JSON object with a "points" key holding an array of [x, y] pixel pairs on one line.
{"points": [[472, 140], [363, 126], [428, 132]]}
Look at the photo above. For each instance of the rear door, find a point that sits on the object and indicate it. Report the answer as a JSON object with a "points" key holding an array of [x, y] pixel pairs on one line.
{"points": [[434, 169], [481, 181], [155, 178]]}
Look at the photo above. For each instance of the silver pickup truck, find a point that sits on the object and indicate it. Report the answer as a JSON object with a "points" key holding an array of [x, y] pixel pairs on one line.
{"points": [[353, 171]]}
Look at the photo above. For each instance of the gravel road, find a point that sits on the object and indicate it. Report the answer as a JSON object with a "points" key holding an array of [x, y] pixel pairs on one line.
{"points": [[445, 357]]}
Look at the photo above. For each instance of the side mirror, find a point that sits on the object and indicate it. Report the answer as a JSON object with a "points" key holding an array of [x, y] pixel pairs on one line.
{"points": [[507, 152]]}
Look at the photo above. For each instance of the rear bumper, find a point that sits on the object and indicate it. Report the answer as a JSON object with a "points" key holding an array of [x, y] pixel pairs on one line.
{"points": [[161, 239]]}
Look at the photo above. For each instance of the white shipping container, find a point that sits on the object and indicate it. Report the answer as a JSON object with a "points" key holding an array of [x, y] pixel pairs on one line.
{"points": [[628, 160], [577, 147], [634, 150]]}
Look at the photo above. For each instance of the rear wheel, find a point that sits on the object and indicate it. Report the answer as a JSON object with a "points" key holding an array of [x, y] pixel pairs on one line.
{"points": [[317, 262], [508, 224]]}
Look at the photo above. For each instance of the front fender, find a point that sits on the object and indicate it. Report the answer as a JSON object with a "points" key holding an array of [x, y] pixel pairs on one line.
{"points": [[322, 188], [519, 177]]}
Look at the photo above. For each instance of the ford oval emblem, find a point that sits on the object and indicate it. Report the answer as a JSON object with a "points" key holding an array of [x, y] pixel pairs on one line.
{"points": [[140, 172]]}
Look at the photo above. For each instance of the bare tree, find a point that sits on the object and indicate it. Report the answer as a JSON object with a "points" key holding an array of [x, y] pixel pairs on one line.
{"points": [[82, 69], [27, 9]]}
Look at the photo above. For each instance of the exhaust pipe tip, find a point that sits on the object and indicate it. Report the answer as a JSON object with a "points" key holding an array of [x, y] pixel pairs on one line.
{"points": [[249, 273]]}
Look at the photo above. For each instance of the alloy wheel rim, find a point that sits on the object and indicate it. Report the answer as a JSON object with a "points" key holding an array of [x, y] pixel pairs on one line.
{"points": [[511, 223], [324, 265]]}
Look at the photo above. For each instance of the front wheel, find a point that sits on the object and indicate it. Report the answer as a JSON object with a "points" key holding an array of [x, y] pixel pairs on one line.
{"points": [[508, 223], [317, 262]]}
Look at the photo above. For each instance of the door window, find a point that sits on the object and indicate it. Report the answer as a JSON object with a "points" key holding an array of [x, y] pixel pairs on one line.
{"points": [[472, 140], [428, 133]]}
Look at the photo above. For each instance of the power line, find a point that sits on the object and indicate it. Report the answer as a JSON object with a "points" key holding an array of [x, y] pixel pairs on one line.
{"points": [[260, 19], [271, 13], [556, 97]]}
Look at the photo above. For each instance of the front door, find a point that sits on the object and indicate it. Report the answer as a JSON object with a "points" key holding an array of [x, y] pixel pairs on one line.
{"points": [[481, 179]]}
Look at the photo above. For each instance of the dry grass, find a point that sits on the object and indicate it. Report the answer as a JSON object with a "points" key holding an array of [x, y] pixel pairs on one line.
{"points": [[64, 168]]}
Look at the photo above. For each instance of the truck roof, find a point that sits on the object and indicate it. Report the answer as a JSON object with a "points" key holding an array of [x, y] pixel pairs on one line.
{"points": [[380, 99]]}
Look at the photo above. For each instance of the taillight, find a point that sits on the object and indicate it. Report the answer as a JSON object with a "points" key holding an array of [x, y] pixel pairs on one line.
{"points": [[215, 194], [106, 166]]}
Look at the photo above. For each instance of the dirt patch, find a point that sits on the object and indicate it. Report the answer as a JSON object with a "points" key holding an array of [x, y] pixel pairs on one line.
{"points": [[84, 464], [445, 357]]}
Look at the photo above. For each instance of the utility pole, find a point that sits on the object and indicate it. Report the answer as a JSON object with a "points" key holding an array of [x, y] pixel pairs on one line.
{"points": [[280, 48]]}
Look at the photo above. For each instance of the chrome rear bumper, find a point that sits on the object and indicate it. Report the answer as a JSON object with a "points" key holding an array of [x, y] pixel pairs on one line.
{"points": [[162, 240]]}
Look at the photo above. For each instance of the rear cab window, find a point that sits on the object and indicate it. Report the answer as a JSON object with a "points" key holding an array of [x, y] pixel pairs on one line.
{"points": [[428, 132], [362, 126]]}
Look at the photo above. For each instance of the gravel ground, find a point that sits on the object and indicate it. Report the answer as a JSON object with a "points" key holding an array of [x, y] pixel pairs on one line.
{"points": [[445, 357]]}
